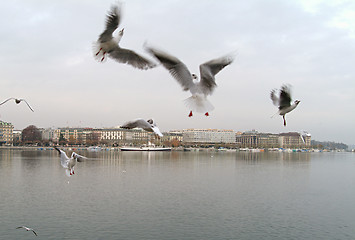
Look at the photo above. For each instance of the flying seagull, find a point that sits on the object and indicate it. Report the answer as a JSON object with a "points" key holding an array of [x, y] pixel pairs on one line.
{"points": [[17, 101], [108, 44], [148, 125], [27, 229], [199, 89], [284, 101], [303, 135], [69, 163]]}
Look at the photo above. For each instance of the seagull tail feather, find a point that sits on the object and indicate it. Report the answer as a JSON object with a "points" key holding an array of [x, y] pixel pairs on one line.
{"points": [[198, 103]]}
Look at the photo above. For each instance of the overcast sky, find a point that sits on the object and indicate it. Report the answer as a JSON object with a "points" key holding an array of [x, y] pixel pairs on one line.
{"points": [[46, 58]]}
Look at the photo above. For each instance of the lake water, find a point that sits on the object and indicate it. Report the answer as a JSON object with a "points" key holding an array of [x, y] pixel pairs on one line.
{"points": [[178, 195]]}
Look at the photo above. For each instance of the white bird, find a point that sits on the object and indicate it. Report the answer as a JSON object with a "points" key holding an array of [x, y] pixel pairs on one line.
{"points": [[17, 101], [301, 136], [148, 125], [27, 229], [69, 163], [304, 134], [108, 44], [284, 101], [199, 89]]}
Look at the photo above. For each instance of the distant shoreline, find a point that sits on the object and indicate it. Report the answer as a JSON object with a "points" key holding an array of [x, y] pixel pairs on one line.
{"points": [[247, 150]]}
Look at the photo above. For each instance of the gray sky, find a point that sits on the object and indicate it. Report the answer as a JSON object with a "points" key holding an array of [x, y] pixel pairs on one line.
{"points": [[46, 57]]}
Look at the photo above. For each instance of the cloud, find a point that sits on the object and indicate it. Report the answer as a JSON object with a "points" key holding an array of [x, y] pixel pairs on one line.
{"points": [[47, 59]]}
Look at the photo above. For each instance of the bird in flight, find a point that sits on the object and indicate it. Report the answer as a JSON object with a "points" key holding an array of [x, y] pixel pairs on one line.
{"points": [[147, 125], [69, 163], [107, 44], [27, 229], [199, 89], [17, 101], [283, 101]]}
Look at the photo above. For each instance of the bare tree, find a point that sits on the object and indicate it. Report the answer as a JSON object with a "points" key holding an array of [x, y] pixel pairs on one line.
{"points": [[31, 134]]}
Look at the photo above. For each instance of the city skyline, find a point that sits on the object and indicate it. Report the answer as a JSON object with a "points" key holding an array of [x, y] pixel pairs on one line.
{"points": [[236, 131], [47, 59]]}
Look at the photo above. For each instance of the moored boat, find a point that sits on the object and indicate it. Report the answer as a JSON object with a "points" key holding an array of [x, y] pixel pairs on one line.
{"points": [[149, 147], [145, 149]]}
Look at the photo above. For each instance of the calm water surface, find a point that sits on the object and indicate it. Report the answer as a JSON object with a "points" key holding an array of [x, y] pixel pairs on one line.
{"points": [[178, 195]]}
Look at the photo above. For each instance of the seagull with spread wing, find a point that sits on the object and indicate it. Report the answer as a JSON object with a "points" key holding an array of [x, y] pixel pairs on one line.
{"points": [[283, 101], [69, 163], [17, 101], [107, 44], [199, 89], [27, 229], [147, 125]]}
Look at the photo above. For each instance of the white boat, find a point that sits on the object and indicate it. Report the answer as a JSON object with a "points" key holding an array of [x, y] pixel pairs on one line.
{"points": [[149, 147], [145, 149]]}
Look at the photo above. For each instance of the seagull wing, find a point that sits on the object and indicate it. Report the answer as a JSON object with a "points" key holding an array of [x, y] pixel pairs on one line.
{"points": [[177, 69], [302, 138], [112, 22], [130, 57], [64, 160], [78, 157], [27, 104], [157, 131], [274, 98], [28, 229], [6, 100], [138, 123], [209, 69], [285, 96]]}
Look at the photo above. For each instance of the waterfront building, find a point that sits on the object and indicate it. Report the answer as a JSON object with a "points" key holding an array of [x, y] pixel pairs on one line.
{"points": [[208, 136], [75, 136], [48, 134], [173, 136], [6, 133], [112, 134], [294, 140], [119, 136], [17, 137], [254, 139]]}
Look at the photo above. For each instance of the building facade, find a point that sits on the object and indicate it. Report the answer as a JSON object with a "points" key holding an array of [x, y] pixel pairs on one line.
{"points": [[208, 136], [121, 136], [294, 139], [254, 139], [6, 133]]}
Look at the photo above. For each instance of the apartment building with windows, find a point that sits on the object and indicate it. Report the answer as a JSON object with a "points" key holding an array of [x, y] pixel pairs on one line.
{"points": [[119, 136], [6, 133], [212, 136], [294, 139], [254, 139]]}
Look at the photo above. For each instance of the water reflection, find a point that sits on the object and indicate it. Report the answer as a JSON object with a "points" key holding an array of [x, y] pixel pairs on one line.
{"points": [[5, 158], [258, 157], [178, 195], [121, 161]]}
